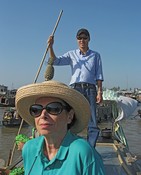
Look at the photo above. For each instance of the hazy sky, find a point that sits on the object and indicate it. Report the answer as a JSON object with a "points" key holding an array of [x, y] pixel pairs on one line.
{"points": [[114, 26]]}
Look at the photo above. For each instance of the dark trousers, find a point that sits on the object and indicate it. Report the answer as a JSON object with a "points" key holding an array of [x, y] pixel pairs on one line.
{"points": [[89, 91]]}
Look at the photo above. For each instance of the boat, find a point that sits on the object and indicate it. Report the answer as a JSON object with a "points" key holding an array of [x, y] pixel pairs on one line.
{"points": [[12, 122], [11, 119], [112, 143]]}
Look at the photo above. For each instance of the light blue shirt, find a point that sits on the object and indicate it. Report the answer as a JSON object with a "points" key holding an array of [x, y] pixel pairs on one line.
{"points": [[85, 68], [74, 157]]}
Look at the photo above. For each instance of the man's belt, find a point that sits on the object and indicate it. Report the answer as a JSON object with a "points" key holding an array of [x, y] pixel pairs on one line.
{"points": [[84, 85]]}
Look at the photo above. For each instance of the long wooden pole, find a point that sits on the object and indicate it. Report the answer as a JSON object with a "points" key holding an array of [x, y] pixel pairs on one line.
{"points": [[35, 80], [14, 146], [44, 56]]}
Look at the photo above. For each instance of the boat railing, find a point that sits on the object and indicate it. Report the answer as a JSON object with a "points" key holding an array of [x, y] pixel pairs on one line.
{"points": [[108, 112]]}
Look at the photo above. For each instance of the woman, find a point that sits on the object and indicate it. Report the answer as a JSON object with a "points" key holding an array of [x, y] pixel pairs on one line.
{"points": [[58, 113]]}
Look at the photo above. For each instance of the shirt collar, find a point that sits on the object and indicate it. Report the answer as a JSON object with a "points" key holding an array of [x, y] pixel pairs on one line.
{"points": [[40, 144], [65, 146], [83, 54], [63, 150]]}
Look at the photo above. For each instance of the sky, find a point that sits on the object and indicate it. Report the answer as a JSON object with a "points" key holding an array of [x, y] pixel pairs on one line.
{"points": [[114, 26]]}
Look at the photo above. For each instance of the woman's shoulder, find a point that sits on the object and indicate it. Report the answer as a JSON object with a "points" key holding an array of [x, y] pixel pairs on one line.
{"points": [[82, 145], [81, 148]]}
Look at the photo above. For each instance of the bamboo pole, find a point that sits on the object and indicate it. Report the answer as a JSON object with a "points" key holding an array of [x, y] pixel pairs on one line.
{"points": [[35, 80], [14, 146], [44, 56]]}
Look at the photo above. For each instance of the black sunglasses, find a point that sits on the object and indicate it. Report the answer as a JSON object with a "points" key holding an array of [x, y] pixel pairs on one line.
{"points": [[53, 108], [80, 38]]}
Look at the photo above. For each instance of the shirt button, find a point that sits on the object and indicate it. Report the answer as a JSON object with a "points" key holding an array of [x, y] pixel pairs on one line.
{"points": [[48, 168]]}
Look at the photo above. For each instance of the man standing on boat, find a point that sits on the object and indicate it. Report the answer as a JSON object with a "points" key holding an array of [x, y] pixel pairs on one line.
{"points": [[87, 75]]}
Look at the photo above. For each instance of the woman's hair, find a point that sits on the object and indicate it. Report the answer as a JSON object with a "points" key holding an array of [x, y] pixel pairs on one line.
{"points": [[72, 122], [74, 118]]}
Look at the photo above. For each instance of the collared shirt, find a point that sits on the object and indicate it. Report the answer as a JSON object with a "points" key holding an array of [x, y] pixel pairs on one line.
{"points": [[74, 157], [85, 68]]}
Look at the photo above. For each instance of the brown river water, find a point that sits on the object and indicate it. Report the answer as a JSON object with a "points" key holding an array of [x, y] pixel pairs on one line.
{"points": [[131, 127]]}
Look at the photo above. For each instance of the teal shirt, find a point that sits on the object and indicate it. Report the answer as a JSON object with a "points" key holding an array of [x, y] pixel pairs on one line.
{"points": [[74, 157]]}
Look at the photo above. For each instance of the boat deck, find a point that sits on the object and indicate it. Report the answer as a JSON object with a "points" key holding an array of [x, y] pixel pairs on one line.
{"points": [[117, 159], [110, 159]]}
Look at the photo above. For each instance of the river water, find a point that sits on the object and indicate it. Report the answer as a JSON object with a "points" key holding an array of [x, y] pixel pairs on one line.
{"points": [[131, 127], [7, 137]]}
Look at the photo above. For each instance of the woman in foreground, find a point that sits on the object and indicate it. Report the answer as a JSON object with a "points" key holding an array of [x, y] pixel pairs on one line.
{"points": [[58, 113]]}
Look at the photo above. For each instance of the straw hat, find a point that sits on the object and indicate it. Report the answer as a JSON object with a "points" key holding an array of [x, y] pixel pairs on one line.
{"points": [[27, 95]]}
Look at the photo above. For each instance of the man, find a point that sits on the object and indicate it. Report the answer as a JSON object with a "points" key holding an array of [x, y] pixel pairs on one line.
{"points": [[87, 75]]}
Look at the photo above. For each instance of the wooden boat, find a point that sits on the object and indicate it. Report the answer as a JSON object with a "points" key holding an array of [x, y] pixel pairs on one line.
{"points": [[12, 122], [10, 118], [112, 143]]}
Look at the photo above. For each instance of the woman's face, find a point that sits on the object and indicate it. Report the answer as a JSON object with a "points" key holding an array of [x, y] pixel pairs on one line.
{"points": [[49, 124]]}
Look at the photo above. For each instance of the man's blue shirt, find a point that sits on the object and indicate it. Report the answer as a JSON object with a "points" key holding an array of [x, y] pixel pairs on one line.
{"points": [[85, 68]]}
